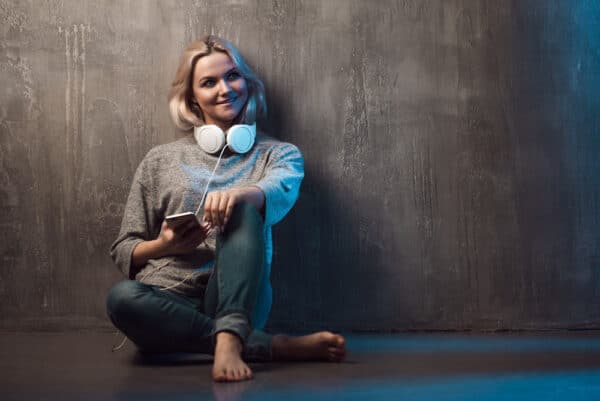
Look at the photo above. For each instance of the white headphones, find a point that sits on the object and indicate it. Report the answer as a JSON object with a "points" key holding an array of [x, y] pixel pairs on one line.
{"points": [[212, 139]]}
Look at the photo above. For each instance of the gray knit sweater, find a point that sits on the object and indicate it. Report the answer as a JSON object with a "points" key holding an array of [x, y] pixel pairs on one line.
{"points": [[171, 179]]}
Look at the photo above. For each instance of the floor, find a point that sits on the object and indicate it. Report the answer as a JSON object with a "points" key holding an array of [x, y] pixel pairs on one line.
{"points": [[446, 366]]}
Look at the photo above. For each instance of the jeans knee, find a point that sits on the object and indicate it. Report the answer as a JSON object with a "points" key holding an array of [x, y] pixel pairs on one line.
{"points": [[121, 296], [246, 215], [248, 211], [245, 229]]}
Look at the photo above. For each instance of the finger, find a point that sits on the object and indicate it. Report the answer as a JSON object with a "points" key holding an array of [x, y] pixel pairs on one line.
{"points": [[336, 351], [214, 208], [207, 207], [166, 226], [229, 209], [206, 226], [222, 208], [167, 232]]}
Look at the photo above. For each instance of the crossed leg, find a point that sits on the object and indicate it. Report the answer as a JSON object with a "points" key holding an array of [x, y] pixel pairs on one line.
{"points": [[223, 327]]}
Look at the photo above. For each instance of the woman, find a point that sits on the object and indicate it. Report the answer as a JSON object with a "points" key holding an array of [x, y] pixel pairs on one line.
{"points": [[205, 287]]}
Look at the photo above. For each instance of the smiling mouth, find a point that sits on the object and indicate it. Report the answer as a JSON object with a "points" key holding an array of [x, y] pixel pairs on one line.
{"points": [[228, 101]]}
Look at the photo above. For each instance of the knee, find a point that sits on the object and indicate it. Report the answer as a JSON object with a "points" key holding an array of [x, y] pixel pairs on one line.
{"points": [[121, 297], [246, 215]]}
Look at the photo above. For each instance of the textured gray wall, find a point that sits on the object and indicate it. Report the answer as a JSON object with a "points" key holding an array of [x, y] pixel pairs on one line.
{"points": [[451, 154]]}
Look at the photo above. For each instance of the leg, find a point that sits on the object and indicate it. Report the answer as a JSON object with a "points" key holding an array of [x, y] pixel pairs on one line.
{"points": [[233, 287], [159, 321], [230, 297], [135, 308], [232, 292], [320, 346]]}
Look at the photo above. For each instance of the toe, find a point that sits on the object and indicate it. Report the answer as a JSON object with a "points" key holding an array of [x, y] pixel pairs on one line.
{"points": [[229, 375], [334, 357], [335, 350], [219, 376], [236, 375], [335, 340], [337, 354]]}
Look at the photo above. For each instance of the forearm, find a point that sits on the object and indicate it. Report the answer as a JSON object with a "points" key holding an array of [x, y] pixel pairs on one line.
{"points": [[144, 251]]}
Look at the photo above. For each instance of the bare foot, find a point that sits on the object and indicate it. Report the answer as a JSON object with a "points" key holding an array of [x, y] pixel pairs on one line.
{"points": [[228, 365], [323, 346]]}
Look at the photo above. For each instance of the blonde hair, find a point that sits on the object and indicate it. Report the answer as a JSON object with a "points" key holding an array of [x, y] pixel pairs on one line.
{"points": [[185, 112]]}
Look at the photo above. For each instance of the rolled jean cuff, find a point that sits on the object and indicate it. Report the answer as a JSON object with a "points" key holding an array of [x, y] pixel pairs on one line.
{"points": [[236, 323], [258, 347]]}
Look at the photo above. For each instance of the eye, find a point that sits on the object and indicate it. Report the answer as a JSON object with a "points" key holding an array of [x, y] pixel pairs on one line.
{"points": [[209, 83], [233, 75]]}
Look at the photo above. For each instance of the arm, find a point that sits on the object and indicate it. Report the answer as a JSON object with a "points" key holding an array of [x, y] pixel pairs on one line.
{"points": [[136, 243], [144, 251], [136, 227], [281, 182], [169, 242], [273, 195]]}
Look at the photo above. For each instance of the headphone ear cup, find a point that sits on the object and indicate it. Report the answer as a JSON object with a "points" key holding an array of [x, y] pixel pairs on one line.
{"points": [[240, 138], [210, 138]]}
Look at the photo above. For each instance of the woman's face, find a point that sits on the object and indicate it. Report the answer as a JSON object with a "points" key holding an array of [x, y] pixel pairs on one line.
{"points": [[219, 89]]}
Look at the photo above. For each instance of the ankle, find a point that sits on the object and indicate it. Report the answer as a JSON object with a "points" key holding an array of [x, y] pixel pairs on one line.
{"points": [[228, 340], [280, 345]]}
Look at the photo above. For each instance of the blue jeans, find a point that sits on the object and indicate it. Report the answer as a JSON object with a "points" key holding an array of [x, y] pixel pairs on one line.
{"points": [[165, 321]]}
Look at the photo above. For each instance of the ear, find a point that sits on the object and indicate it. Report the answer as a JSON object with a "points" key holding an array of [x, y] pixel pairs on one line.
{"points": [[195, 108], [193, 105]]}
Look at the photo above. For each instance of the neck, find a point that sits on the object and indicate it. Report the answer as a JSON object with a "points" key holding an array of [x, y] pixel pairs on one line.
{"points": [[223, 125]]}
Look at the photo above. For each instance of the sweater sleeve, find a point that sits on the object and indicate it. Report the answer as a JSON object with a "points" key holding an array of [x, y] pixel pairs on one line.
{"points": [[136, 225], [281, 182]]}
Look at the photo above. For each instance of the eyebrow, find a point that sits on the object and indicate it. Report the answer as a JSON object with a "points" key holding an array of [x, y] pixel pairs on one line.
{"points": [[210, 77]]}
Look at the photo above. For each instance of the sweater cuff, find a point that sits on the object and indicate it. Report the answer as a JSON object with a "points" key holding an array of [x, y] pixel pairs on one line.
{"points": [[277, 201], [123, 256]]}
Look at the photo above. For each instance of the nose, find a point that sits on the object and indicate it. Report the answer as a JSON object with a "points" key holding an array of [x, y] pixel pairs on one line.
{"points": [[224, 87]]}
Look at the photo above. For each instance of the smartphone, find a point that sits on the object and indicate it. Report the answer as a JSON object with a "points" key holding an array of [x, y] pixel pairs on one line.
{"points": [[175, 221]]}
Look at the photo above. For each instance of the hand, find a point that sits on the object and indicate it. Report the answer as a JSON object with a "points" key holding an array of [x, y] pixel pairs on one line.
{"points": [[219, 204], [184, 239]]}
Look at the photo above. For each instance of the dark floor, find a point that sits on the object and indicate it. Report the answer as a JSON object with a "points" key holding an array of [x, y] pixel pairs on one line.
{"points": [[542, 366]]}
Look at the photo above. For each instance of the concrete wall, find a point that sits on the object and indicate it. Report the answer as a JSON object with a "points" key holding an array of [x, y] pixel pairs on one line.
{"points": [[451, 154]]}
